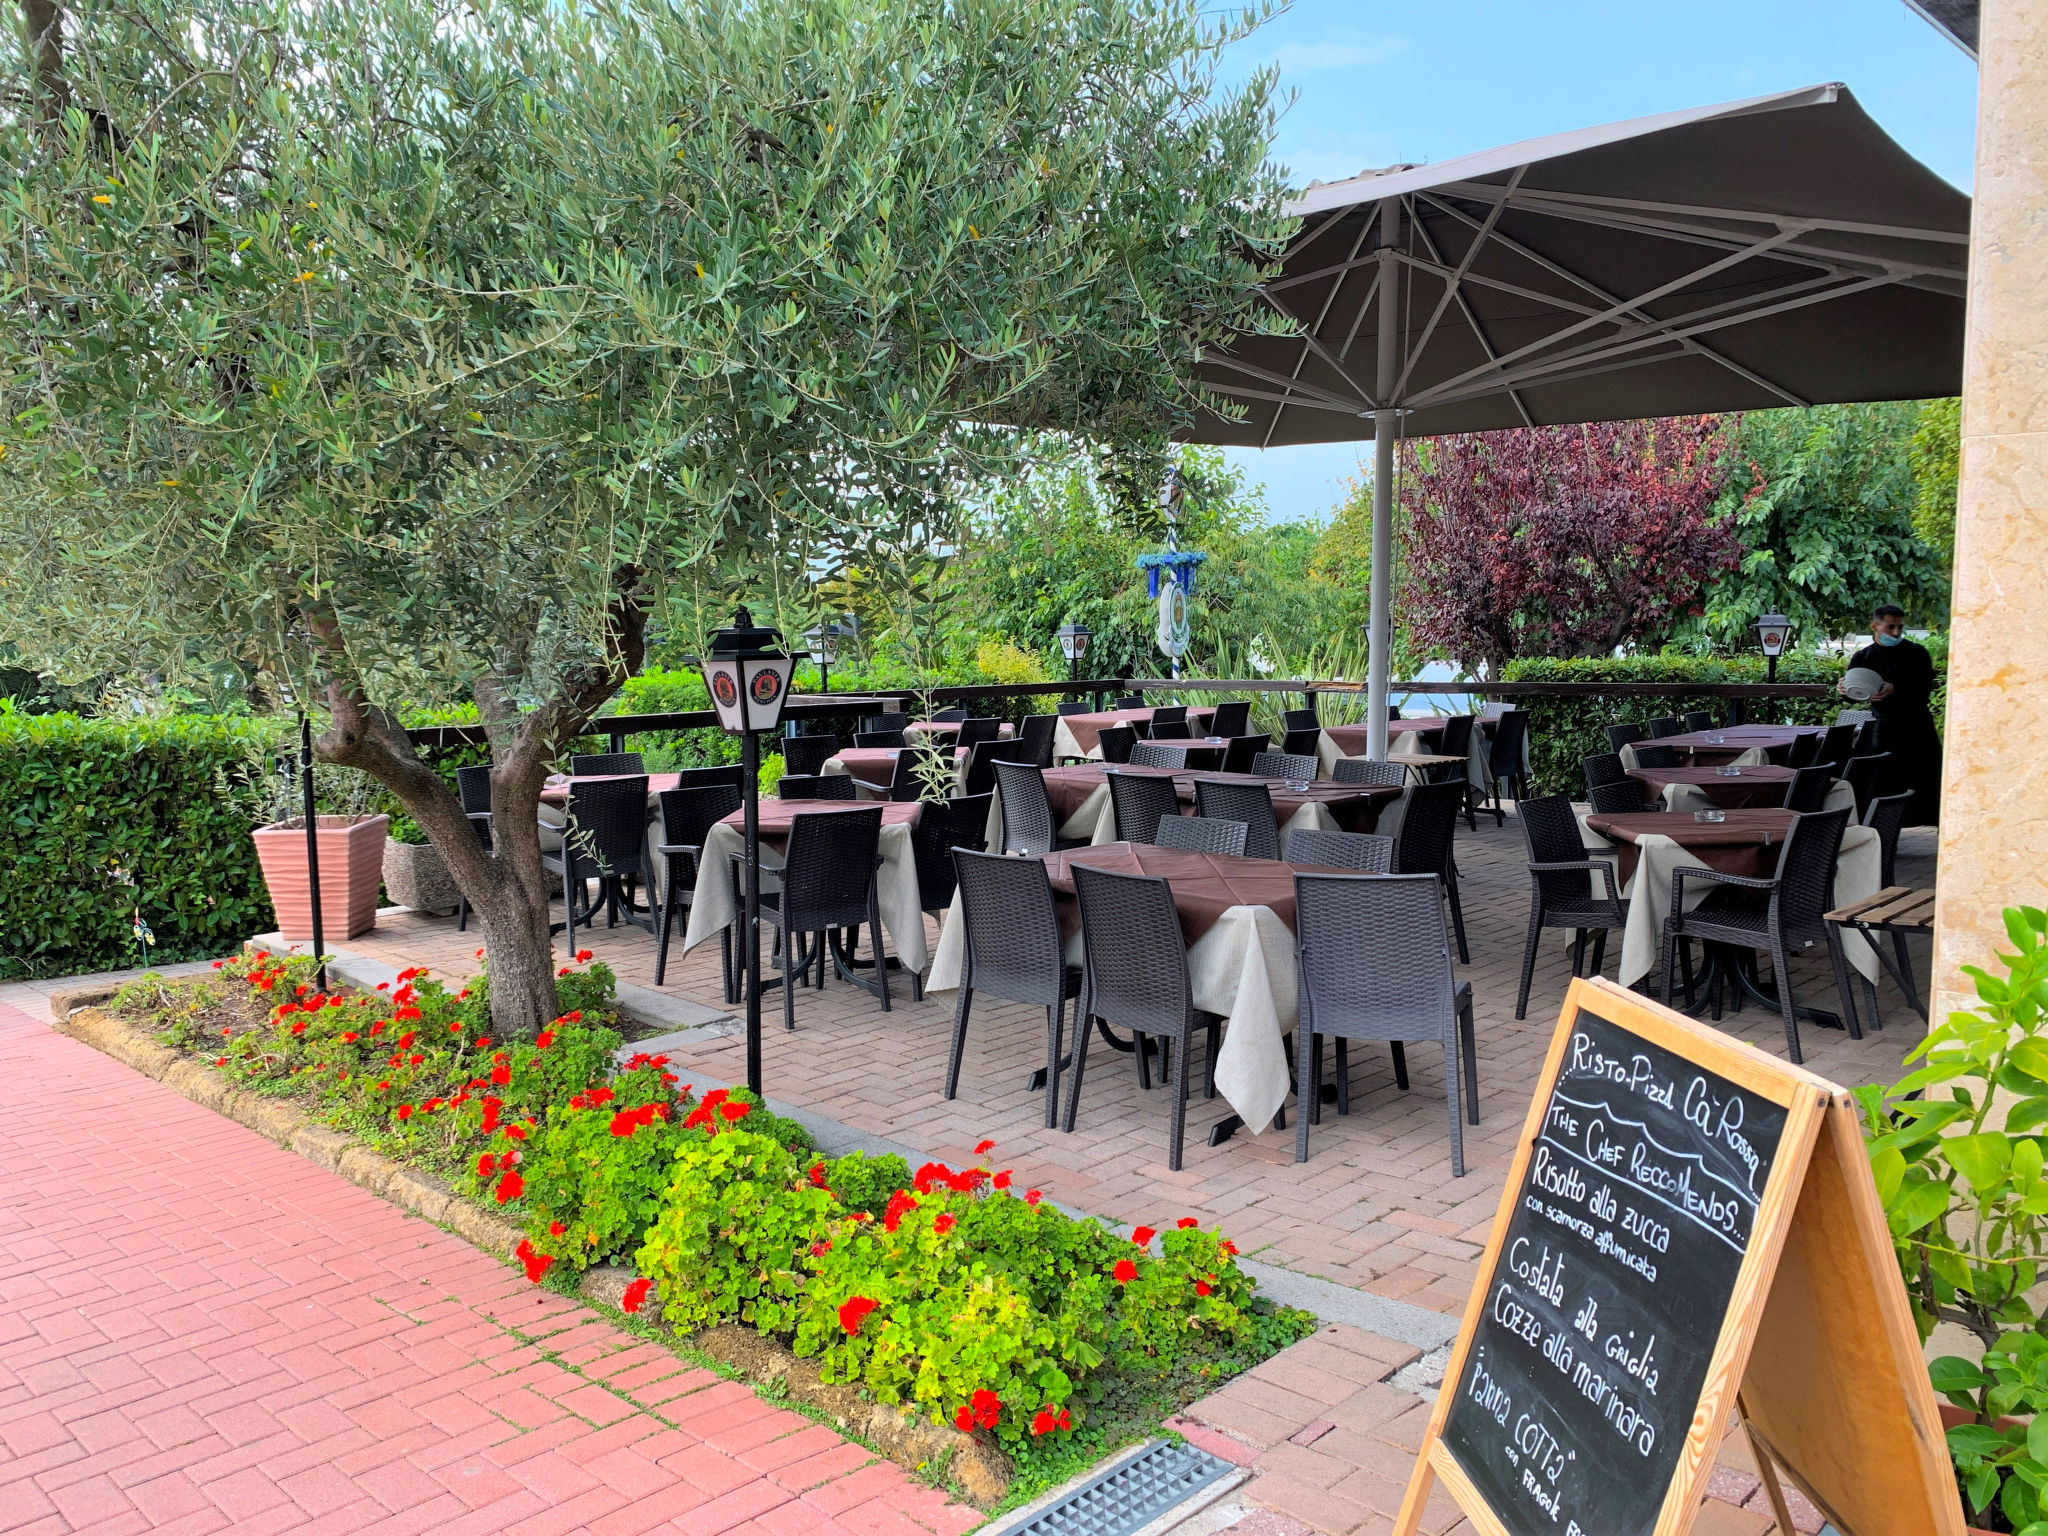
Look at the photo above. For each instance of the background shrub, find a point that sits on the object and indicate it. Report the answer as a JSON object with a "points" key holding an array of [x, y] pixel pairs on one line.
{"points": [[94, 804]]}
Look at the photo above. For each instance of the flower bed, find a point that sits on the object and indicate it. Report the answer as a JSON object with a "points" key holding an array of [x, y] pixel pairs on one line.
{"points": [[951, 1294]]}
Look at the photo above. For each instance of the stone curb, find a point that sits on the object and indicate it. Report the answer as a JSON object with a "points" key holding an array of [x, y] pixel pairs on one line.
{"points": [[906, 1438]]}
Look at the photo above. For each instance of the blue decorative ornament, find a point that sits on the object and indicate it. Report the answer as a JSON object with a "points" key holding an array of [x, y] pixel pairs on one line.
{"points": [[1180, 564]]}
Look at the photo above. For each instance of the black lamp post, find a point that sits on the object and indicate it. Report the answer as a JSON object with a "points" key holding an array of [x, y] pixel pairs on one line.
{"points": [[748, 678], [1772, 631], [1074, 640]]}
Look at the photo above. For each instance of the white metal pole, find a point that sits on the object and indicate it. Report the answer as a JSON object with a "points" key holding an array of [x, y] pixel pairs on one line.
{"points": [[1380, 638]]}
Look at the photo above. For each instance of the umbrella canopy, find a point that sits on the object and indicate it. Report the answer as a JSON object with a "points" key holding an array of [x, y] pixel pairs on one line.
{"points": [[1777, 251]]}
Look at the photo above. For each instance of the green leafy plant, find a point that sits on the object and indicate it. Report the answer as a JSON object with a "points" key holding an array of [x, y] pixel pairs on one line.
{"points": [[1956, 1149]]}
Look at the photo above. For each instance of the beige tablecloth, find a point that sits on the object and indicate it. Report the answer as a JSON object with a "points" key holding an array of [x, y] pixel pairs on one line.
{"points": [[1691, 797], [1095, 820], [1243, 969], [868, 789], [1857, 868], [1405, 744], [1748, 759], [712, 907]]}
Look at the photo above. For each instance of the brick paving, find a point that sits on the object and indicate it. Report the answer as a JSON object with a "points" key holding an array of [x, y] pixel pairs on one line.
{"points": [[1375, 1206], [200, 1331]]}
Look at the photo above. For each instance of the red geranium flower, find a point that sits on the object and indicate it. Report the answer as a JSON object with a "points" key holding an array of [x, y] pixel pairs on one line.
{"points": [[818, 1174], [964, 1420], [1125, 1272], [1187, 1221], [1202, 1287], [987, 1408], [486, 1165], [1032, 1197], [501, 1075], [516, 1132], [853, 1311], [510, 1187], [563, 971], [556, 1229], [901, 1204], [820, 1248], [582, 957], [943, 1223], [491, 1108], [544, 1039], [981, 1147], [625, 1123], [735, 1111], [1065, 1422], [348, 1036], [1142, 1236], [1042, 1422], [1229, 1246], [536, 1263], [636, 1295], [1002, 1180], [405, 1111]]}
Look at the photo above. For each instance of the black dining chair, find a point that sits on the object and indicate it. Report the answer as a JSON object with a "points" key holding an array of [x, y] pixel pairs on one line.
{"points": [[1602, 768], [1157, 754], [1886, 814], [1233, 717], [980, 777], [923, 772], [1028, 826], [727, 773], [1013, 950], [893, 720], [1299, 767], [1804, 751], [1140, 801], [1624, 733], [604, 838], [1251, 804], [1868, 734], [1650, 755], [687, 817], [1862, 776], [1136, 974], [1623, 797], [826, 882], [942, 826], [816, 786], [1302, 741], [1782, 915], [1504, 760], [807, 754], [878, 738], [1698, 720], [1665, 725], [1116, 742], [1808, 791], [1172, 730], [948, 716], [1370, 955], [1568, 888], [1202, 834], [1360, 852], [1300, 720], [1036, 735], [974, 732], [1130, 701], [1074, 707], [597, 764], [1424, 846], [1169, 714], [1836, 746], [473, 789], [1238, 752], [1363, 770]]}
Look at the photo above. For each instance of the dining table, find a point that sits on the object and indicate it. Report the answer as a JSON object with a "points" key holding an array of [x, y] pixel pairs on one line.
{"points": [[1082, 809], [712, 907], [1738, 744], [1412, 736], [923, 728], [874, 768], [1081, 735], [1646, 847], [1237, 921], [1731, 787]]}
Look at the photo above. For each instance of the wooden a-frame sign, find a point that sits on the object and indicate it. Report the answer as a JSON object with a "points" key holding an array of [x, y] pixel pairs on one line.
{"points": [[1689, 1228]]}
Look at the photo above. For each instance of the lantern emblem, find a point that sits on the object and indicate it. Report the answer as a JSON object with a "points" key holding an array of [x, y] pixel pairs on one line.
{"points": [[767, 685], [722, 689]]}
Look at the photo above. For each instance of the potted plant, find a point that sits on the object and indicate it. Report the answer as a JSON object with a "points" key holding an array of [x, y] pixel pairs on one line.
{"points": [[349, 831], [1959, 1167], [415, 874]]}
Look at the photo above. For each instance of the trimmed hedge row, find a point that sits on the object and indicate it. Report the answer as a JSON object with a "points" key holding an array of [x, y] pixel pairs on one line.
{"points": [[92, 804], [1562, 731]]}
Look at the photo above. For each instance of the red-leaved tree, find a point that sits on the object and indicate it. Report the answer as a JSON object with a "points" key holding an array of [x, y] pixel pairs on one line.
{"points": [[1560, 541]]}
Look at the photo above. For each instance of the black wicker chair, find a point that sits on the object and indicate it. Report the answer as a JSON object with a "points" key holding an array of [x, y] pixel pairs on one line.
{"points": [[1137, 976], [1297, 767], [1804, 751], [1300, 720], [1300, 741], [975, 731], [1665, 725], [807, 754], [473, 789], [1568, 888], [816, 786], [1252, 804], [1863, 774], [1650, 755], [1698, 720], [1356, 851], [1504, 760], [1036, 736], [729, 773], [1140, 801], [1027, 815], [604, 839], [687, 817], [1073, 707], [1116, 742], [1239, 751], [1869, 734], [1624, 797], [1425, 845], [1170, 714], [942, 826], [1130, 701], [1363, 770], [1013, 950], [980, 777], [1172, 730], [1624, 733], [918, 768], [1782, 915], [1369, 950], [1202, 834], [1233, 717], [1808, 791], [600, 764], [1603, 768], [878, 738], [1887, 814], [1154, 754], [948, 716], [826, 882], [893, 720], [1836, 746]]}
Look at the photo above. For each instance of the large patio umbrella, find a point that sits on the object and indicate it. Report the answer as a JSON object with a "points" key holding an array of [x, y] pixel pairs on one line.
{"points": [[1777, 251]]}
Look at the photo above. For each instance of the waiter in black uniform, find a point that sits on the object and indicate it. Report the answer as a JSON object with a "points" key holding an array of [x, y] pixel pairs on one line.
{"points": [[1905, 726]]}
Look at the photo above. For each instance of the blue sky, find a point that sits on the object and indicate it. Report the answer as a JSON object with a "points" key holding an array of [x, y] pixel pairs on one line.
{"points": [[1377, 84]]}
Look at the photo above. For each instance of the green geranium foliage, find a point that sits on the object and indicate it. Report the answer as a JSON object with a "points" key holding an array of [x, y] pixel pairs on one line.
{"points": [[1959, 1167]]}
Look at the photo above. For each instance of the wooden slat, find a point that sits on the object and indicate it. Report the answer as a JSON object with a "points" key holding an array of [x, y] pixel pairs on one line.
{"points": [[1915, 910], [1855, 909]]}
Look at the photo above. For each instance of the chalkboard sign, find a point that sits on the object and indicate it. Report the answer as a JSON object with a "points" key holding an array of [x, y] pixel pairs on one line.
{"points": [[1688, 1232], [1634, 1213]]}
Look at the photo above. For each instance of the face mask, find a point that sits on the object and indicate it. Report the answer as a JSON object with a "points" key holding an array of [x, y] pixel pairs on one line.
{"points": [[1889, 639]]}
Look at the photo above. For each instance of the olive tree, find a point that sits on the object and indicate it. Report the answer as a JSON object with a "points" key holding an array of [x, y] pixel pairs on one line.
{"points": [[408, 352]]}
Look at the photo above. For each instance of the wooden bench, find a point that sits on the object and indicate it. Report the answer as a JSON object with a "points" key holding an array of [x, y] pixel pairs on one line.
{"points": [[1898, 910]]}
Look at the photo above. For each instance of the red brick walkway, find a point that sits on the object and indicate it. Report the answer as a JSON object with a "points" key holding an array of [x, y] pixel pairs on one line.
{"points": [[200, 1331]]}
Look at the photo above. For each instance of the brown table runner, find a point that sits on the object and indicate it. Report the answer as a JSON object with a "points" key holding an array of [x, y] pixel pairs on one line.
{"points": [[1747, 843], [1087, 729], [1204, 885], [877, 765], [777, 816], [1761, 784]]}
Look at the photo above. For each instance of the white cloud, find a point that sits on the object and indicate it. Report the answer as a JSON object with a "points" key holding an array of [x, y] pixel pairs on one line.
{"points": [[1345, 51]]}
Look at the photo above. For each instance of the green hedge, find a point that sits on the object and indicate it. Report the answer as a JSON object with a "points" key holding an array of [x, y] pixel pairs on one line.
{"points": [[87, 799], [1562, 731]]}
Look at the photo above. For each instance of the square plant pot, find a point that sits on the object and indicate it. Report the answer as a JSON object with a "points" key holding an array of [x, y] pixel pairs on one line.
{"points": [[351, 867], [416, 876]]}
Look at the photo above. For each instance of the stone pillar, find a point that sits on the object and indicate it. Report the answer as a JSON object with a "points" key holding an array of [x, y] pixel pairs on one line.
{"points": [[1994, 809]]}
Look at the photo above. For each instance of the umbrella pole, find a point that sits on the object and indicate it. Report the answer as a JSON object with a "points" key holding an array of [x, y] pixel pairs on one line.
{"points": [[1381, 636]]}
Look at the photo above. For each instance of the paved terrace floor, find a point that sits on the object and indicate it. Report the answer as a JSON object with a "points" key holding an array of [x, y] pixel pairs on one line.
{"points": [[1375, 1207]]}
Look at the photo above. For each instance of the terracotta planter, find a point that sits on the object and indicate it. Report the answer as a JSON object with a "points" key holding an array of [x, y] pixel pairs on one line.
{"points": [[416, 876], [351, 867]]}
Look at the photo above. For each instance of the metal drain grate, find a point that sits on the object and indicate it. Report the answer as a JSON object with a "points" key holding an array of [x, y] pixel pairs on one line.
{"points": [[1129, 1495]]}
